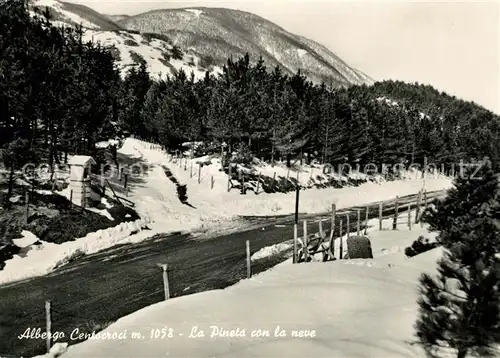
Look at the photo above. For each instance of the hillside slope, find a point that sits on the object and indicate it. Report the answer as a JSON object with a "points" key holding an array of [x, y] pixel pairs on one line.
{"points": [[207, 37], [214, 33], [76, 14], [372, 315], [129, 48]]}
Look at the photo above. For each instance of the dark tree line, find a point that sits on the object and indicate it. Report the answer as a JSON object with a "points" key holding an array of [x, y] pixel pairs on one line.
{"points": [[60, 95], [56, 91]]}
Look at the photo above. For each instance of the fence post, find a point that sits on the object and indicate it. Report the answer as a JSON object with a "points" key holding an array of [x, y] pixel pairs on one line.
{"points": [[212, 182], [191, 170], [258, 183], [341, 249], [166, 287], [417, 209], [274, 179], [425, 208], [229, 176], [27, 201], [380, 207], [321, 233], [249, 267], [48, 327], [334, 214], [71, 196], [348, 229], [358, 223], [297, 197], [395, 219], [199, 173], [366, 220], [288, 174], [306, 249], [126, 181], [185, 163], [409, 216], [295, 243]]}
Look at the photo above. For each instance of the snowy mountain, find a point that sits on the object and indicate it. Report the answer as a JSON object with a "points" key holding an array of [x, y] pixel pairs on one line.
{"points": [[117, 17], [206, 37], [129, 48], [76, 14], [214, 33]]}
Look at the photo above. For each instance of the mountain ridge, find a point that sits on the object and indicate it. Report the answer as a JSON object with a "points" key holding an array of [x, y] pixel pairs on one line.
{"points": [[206, 43], [191, 27]]}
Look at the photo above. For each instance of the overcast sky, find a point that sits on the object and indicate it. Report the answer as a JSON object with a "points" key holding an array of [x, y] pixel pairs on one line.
{"points": [[453, 46]]}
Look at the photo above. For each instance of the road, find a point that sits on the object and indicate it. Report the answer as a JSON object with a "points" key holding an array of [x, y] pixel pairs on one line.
{"points": [[99, 289]]}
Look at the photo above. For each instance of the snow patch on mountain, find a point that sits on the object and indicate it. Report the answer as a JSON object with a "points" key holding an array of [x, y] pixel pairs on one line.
{"points": [[301, 52], [393, 103], [66, 16], [196, 12]]}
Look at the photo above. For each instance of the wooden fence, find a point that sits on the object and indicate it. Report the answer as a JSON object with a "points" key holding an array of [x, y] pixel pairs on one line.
{"points": [[356, 221]]}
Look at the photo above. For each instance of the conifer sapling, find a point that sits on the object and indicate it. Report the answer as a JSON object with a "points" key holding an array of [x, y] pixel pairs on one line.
{"points": [[460, 307]]}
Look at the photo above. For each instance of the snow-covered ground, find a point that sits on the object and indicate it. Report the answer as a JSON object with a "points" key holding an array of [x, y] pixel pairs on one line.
{"points": [[347, 308], [66, 16], [153, 51], [214, 211], [44, 258]]}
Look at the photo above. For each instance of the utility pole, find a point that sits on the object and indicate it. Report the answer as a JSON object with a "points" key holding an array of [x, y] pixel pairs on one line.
{"points": [[297, 191]]}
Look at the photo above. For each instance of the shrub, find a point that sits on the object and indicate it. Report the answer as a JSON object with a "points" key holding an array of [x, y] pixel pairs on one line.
{"points": [[243, 155], [182, 193], [419, 246], [177, 53], [70, 226], [129, 42], [150, 36], [206, 62], [7, 252], [138, 59], [115, 53], [123, 213]]}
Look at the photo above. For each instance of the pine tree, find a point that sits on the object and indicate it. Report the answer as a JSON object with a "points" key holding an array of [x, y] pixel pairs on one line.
{"points": [[460, 308], [14, 156]]}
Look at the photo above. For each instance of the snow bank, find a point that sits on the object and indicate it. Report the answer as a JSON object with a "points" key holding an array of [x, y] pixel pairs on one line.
{"points": [[218, 201], [106, 144], [354, 308], [45, 258], [28, 239], [215, 210], [211, 211], [272, 250]]}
